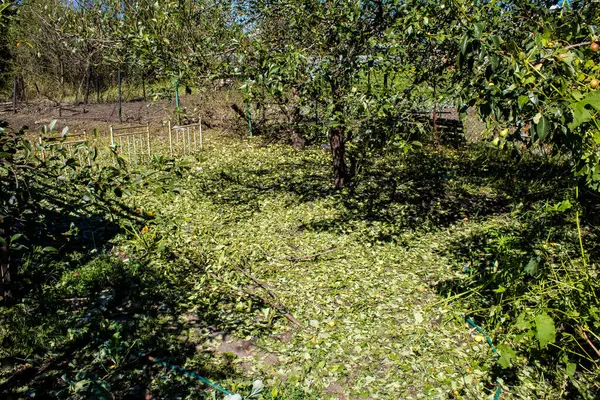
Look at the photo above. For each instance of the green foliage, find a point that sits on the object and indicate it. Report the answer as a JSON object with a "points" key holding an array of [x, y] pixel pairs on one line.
{"points": [[535, 77], [366, 271]]}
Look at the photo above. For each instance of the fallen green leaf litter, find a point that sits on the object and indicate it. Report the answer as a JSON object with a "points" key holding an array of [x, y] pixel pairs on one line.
{"points": [[254, 239]]}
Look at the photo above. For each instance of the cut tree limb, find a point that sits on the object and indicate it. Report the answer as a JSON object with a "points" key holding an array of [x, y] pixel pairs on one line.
{"points": [[274, 299]]}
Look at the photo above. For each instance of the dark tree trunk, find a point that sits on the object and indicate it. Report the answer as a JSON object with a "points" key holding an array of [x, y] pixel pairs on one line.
{"points": [[144, 87], [120, 111], [436, 139], [436, 136], [297, 140], [88, 78], [15, 96], [98, 89], [338, 151]]}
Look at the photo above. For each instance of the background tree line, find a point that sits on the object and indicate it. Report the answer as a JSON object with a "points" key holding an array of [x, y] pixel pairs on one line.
{"points": [[75, 49], [354, 73]]}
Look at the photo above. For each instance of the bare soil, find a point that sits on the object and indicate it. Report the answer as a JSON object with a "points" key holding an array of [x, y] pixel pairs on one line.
{"points": [[101, 116]]}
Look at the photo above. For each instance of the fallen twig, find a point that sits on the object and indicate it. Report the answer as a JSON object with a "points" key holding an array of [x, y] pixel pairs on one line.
{"points": [[584, 336], [275, 303]]}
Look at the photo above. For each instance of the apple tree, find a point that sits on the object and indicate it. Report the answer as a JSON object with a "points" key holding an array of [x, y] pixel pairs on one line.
{"points": [[532, 71]]}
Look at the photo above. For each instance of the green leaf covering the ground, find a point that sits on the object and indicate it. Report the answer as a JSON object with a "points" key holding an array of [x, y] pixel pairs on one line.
{"points": [[212, 277]]}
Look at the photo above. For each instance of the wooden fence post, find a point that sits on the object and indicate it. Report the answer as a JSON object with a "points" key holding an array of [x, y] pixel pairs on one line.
{"points": [[41, 141], [189, 141], [170, 139], [112, 140], [148, 139], [201, 140]]}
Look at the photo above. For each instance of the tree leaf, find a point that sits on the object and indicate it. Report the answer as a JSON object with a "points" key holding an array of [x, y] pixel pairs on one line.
{"points": [[507, 354], [545, 330], [581, 114], [532, 266], [571, 367], [542, 128]]}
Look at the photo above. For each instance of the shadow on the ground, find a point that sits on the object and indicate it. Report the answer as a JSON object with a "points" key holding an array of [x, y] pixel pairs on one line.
{"points": [[85, 321], [124, 329], [59, 230], [432, 188]]}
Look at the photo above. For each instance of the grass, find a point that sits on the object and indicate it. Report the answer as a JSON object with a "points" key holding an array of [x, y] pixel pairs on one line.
{"points": [[212, 271]]}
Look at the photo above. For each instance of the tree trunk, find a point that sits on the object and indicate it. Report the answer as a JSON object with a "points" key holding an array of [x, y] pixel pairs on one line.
{"points": [[436, 136], [120, 111], [88, 78], [436, 139], [62, 81], [297, 140], [15, 96], [338, 151], [144, 87]]}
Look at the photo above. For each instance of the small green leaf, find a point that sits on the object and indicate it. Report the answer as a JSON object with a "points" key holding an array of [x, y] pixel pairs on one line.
{"points": [[545, 330], [522, 100], [507, 354], [542, 128], [479, 27], [532, 266], [521, 323], [564, 206], [571, 367]]}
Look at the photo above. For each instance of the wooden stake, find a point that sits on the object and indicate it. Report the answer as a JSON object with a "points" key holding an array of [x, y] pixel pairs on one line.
{"points": [[195, 141], [134, 150], [148, 139], [200, 125], [42, 149], [170, 139], [189, 141], [129, 148], [112, 140]]}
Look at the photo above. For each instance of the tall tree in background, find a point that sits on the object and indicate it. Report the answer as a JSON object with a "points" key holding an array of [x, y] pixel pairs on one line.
{"points": [[336, 41]]}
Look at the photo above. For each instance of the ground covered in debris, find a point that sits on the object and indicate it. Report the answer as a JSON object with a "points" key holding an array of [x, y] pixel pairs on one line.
{"points": [[242, 263]]}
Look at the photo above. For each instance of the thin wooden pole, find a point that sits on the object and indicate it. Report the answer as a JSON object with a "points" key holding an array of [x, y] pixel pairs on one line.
{"points": [[195, 141], [119, 94], [201, 141], [134, 150], [129, 148], [42, 149], [189, 141], [170, 139], [148, 139], [112, 140]]}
